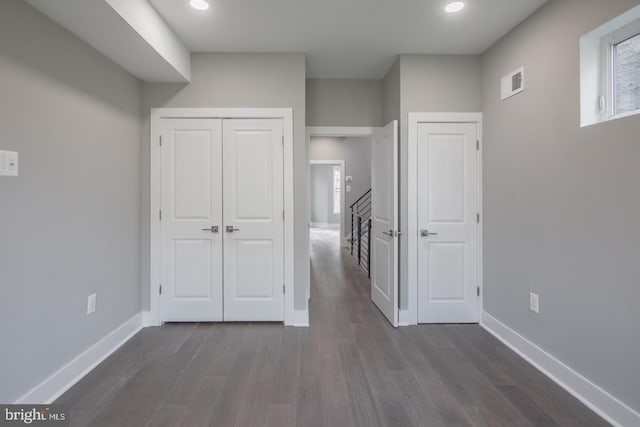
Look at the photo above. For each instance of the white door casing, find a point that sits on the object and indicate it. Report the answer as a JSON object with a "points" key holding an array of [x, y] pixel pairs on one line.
{"points": [[292, 316], [253, 220], [447, 222], [384, 216], [191, 185]]}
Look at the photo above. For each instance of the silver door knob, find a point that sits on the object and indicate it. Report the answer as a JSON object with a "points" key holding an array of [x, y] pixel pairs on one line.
{"points": [[425, 233], [231, 229], [212, 229]]}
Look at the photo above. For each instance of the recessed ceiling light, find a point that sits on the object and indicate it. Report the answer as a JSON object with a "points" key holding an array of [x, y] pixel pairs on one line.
{"points": [[455, 6], [199, 4]]}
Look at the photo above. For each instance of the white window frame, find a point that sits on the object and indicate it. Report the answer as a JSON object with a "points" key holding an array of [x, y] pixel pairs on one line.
{"points": [[337, 189], [596, 68], [607, 85], [343, 200]]}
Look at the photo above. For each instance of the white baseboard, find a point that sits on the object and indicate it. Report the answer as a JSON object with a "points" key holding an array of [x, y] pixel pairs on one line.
{"points": [[301, 318], [60, 381], [404, 318], [345, 241], [149, 319], [595, 397], [324, 225]]}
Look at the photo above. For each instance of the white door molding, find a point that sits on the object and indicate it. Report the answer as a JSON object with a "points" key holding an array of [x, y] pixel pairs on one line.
{"points": [[340, 131], [157, 114], [410, 317]]}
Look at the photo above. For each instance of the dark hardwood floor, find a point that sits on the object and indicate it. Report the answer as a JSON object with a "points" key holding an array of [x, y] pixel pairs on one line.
{"points": [[349, 368]]}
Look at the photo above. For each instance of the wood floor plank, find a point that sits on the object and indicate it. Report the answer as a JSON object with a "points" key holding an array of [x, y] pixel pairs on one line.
{"points": [[262, 379], [359, 393], [309, 403], [350, 368], [439, 397], [564, 408], [202, 408], [489, 404], [168, 416], [232, 395], [280, 415], [287, 368]]}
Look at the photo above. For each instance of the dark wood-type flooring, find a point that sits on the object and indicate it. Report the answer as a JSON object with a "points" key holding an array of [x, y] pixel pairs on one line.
{"points": [[349, 368]]}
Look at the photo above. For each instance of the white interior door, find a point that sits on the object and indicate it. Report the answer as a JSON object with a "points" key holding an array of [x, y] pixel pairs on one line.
{"points": [[447, 223], [191, 210], [253, 220], [384, 216]]}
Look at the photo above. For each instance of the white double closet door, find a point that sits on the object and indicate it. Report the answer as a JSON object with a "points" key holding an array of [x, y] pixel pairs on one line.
{"points": [[222, 220]]}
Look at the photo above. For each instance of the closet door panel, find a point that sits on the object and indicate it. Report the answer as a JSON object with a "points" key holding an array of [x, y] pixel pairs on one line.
{"points": [[253, 219]]}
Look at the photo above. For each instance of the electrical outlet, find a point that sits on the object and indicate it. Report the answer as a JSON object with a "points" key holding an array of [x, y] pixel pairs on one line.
{"points": [[8, 163], [534, 303], [91, 304]]}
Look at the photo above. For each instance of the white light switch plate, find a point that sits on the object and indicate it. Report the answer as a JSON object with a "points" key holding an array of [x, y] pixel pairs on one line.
{"points": [[8, 163], [534, 303], [91, 304]]}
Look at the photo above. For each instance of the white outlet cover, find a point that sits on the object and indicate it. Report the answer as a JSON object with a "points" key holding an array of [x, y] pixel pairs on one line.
{"points": [[348, 188], [8, 163], [91, 304], [348, 178], [534, 303]]}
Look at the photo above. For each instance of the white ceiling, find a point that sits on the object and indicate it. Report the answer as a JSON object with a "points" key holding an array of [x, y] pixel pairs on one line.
{"points": [[344, 38]]}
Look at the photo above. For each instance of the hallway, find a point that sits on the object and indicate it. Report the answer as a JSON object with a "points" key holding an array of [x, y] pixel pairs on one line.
{"points": [[349, 368]]}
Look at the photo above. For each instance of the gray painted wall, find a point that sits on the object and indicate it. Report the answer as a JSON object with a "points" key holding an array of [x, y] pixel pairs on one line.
{"points": [[356, 152], [430, 83], [344, 102], [240, 80], [70, 223], [562, 204], [391, 94], [321, 186]]}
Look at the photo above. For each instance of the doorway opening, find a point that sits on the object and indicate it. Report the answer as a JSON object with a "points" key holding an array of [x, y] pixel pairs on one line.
{"points": [[326, 201], [339, 177], [365, 194]]}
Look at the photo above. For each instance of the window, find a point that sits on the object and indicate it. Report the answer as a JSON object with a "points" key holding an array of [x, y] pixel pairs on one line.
{"points": [[625, 58], [610, 70], [336, 189]]}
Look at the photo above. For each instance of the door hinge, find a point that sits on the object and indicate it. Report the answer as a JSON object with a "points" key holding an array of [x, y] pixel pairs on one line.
{"points": [[477, 145], [160, 140], [478, 290], [282, 214], [282, 139], [283, 289], [478, 218], [160, 290], [160, 214]]}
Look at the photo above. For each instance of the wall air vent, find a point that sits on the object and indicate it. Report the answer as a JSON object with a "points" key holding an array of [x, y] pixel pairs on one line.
{"points": [[512, 83]]}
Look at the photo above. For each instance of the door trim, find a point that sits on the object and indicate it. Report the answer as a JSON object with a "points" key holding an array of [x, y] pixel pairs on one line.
{"points": [[410, 316], [157, 114]]}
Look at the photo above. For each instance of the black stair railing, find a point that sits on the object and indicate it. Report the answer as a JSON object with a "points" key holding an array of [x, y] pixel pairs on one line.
{"points": [[361, 231]]}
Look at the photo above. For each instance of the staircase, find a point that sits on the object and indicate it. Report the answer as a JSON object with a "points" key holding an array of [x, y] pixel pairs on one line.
{"points": [[361, 231]]}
